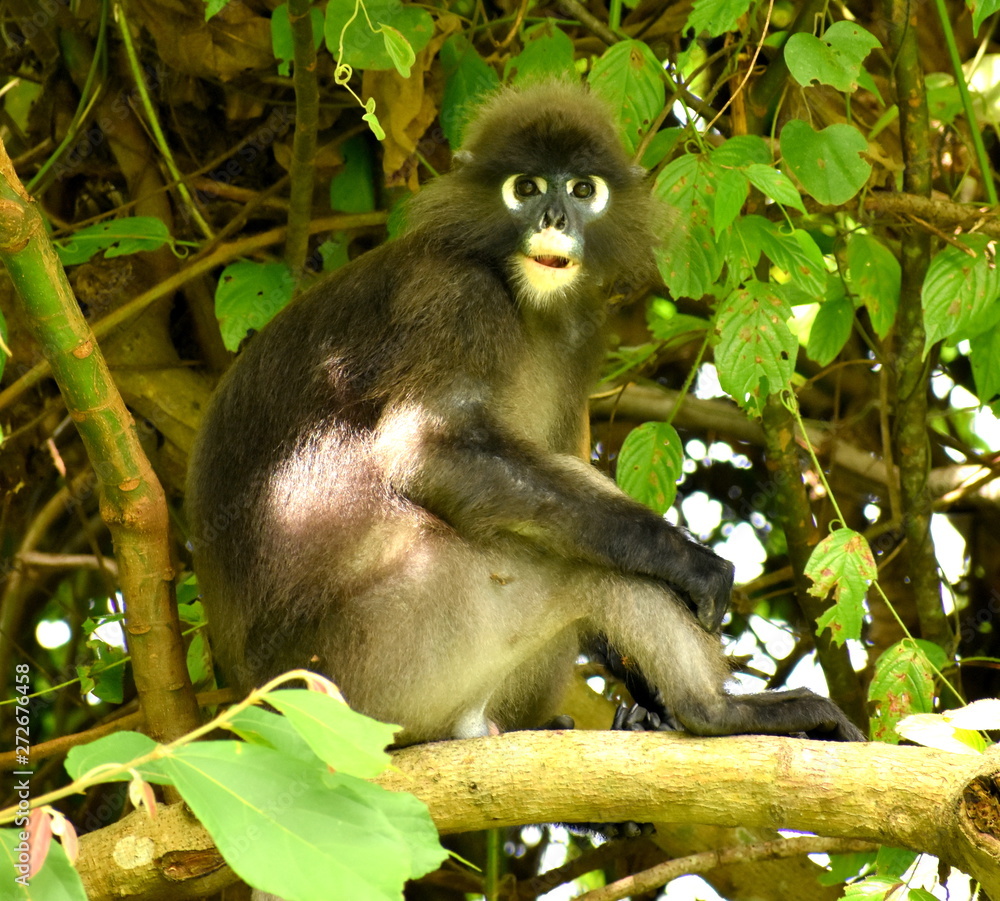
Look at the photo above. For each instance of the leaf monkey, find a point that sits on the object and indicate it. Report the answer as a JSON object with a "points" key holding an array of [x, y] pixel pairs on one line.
{"points": [[386, 487]]}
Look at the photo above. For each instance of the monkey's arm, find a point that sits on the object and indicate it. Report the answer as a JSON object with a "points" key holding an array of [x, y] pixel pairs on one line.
{"points": [[462, 468]]}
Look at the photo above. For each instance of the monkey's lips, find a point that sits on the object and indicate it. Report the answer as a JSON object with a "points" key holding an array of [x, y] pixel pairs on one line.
{"points": [[553, 262]]}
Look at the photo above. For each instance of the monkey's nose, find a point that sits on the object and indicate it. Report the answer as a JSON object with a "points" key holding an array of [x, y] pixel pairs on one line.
{"points": [[553, 219]]}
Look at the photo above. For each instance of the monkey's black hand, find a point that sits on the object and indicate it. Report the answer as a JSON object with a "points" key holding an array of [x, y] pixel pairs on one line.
{"points": [[707, 586]]}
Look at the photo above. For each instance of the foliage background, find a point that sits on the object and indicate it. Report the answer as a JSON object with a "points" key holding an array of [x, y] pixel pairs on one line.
{"points": [[830, 170]]}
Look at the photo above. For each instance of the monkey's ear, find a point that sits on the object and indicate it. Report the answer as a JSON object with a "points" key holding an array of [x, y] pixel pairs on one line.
{"points": [[461, 157]]}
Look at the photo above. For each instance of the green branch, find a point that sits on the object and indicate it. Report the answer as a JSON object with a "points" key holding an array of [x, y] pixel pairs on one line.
{"points": [[132, 501]]}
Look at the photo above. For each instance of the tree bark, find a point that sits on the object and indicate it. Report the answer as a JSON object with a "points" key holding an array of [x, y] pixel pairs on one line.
{"points": [[931, 801]]}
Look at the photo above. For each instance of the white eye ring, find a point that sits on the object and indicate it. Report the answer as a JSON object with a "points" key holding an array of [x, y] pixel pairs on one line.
{"points": [[596, 201], [509, 190]]}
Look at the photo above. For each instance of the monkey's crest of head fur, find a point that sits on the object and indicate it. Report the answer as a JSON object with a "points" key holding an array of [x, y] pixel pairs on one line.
{"points": [[546, 128]]}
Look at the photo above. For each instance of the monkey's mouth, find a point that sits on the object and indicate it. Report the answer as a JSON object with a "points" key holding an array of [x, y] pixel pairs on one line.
{"points": [[553, 262]]}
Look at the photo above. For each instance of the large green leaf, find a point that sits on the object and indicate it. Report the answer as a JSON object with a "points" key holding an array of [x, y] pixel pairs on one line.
{"points": [[116, 237], [795, 252], [875, 278], [650, 463], [288, 826], [715, 17], [985, 358], [630, 78], [690, 257], [828, 162], [830, 329], [352, 190], [835, 59], [755, 355], [961, 290], [547, 52], [342, 738], [468, 80], [368, 46], [248, 296]]}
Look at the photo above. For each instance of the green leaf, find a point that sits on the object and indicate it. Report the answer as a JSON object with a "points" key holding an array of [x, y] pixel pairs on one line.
{"points": [[690, 257], [650, 463], [827, 162], [756, 351], [981, 10], [344, 739], [903, 683], [835, 59], [830, 330], [368, 49], [352, 190], [875, 278], [842, 562], [874, 888], [732, 187], [846, 866], [894, 861], [117, 237], [469, 80], [248, 296], [629, 77], [715, 17], [547, 53], [665, 323], [372, 120], [117, 748], [264, 727], [742, 151], [960, 291], [57, 880], [316, 836], [214, 6], [775, 184], [282, 43], [398, 48], [794, 252], [985, 359]]}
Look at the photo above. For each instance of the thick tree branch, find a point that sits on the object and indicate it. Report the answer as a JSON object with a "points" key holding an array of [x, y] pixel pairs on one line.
{"points": [[132, 501], [909, 363], [944, 804]]}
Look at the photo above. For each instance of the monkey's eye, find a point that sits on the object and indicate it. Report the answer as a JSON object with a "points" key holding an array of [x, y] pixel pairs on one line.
{"points": [[519, 188], [526, 187], [593, 189]]}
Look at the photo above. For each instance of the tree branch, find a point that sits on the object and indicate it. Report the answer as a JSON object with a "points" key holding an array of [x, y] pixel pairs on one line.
{"points": [[943, 804], [132, 500], [909, 363]]}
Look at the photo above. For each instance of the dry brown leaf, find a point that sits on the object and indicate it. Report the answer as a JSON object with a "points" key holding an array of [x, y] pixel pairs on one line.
{"points": [[235, 41]]}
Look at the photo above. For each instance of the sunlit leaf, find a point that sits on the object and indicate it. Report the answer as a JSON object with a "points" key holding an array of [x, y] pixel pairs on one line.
{"points": [[827, 162], [842, 563], [649, 464]]}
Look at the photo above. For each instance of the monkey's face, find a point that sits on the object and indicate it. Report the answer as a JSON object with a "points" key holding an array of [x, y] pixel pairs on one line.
{"points": [[552, 213]]}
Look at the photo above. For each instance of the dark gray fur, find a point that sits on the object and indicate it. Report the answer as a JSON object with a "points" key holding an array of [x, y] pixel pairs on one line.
{"points": [[387, 487]]}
